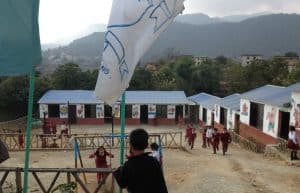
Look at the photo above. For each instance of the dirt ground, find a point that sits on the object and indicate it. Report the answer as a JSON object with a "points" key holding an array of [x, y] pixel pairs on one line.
{"points": [[191, 171]]}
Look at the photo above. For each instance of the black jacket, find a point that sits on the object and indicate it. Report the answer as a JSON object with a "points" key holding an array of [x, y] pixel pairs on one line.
{"points": [[141, 174]]}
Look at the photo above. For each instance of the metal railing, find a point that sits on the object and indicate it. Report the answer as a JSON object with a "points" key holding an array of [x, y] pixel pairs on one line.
{"points": [[86, 141], [67, 172]]}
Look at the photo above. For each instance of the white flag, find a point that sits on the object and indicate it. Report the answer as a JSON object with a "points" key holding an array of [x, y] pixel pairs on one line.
{"points": [[133, 26]]}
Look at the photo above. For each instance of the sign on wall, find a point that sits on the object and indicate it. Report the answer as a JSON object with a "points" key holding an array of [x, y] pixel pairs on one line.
{"points": [[171, 111], [245, 111], [99, 111], [135, 111], [43, 111], [116, 110], [295, 113], [151, 111], [80, 111], [63, 111], [271, 115]]}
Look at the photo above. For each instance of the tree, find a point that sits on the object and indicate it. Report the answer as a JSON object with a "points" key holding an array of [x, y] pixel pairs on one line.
{"points": [[222, 60], [291, 54], [142, 80], [67, 76]]}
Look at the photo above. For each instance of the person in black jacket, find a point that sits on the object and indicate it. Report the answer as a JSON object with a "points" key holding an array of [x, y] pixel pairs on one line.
{"points": [[142, 173]]}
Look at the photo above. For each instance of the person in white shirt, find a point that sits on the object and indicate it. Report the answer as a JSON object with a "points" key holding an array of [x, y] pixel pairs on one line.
{"points": [[293, 143], [209, 134], [155, 152]]}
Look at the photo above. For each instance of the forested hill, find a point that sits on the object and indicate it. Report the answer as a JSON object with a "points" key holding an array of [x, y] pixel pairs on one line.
{"points": [[268, 35]]}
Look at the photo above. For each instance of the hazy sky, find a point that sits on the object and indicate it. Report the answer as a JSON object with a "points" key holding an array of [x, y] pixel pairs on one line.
{"points": [[60, 19]]}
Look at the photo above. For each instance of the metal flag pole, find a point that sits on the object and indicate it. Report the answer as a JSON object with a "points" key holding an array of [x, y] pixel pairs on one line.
{"points": [[28, 128], [122, 132]]}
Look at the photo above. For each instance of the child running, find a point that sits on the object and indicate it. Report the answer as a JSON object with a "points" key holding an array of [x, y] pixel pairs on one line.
{"points": [[204, 137], [100, 160], [216, 140], [225, 139]]}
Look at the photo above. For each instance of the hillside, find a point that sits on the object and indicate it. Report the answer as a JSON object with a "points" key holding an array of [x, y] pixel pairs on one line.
{"points": [[267, 35]]}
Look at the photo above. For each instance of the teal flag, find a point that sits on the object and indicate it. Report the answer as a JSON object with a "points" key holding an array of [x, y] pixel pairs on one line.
{"points": [[20, 47]]}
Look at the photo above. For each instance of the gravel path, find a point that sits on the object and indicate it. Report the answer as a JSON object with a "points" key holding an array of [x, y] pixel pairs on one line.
{"points": [[192, 171]]}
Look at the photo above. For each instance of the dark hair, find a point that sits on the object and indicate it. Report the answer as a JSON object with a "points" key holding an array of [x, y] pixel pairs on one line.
{"points": [[225, 128], [98, 149], [154, 146], [138, 139], [292, 128]]}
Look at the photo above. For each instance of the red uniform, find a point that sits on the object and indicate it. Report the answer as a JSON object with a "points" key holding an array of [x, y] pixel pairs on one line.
{"points": [[204, 138], [225, 139], [188, 134], [100, 161], [192, 138], [21, 140], [216, 141]]}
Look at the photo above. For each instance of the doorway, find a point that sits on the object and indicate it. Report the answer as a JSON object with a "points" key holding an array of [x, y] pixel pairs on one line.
{"points": [[107, 114], [284, 125], [144, 114], [72, 114], [194, 114], [178, 112], [236, 123]]}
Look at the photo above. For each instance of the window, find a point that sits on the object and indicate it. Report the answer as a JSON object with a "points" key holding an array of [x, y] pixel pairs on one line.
{"points": [[90, 111], [53, 111], [128, 111], [223, 116], [161, 111], [256, 115], [204, 115]]}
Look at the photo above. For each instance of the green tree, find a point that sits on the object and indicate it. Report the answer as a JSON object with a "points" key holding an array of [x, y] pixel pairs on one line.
{"points": [[291, 54], [67, 76], [142, 80]]}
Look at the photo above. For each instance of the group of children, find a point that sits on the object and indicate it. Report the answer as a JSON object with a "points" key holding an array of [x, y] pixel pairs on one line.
{"points": [[210, 137]]}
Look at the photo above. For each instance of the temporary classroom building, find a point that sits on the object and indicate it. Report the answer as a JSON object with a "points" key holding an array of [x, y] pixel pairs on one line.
{"points": [[227, 112], [142, 107]]}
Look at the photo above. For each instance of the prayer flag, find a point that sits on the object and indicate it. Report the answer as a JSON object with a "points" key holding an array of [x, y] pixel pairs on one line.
{"points": [[133, 27]]}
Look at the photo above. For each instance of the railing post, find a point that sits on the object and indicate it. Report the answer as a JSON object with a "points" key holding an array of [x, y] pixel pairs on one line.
{"points": [[180, 139], [68, 177], [19, 180]]}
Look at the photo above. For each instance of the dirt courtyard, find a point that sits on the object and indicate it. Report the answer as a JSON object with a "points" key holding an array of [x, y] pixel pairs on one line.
{"points": [[191, 171]]}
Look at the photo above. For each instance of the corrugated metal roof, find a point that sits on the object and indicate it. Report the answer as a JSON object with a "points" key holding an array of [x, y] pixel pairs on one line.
{"points": [[231, 102], [259, 94], [206, 100], [71, 96], [201, 97], [156, 97], [132, 97], [210, 104], [278, 99]]}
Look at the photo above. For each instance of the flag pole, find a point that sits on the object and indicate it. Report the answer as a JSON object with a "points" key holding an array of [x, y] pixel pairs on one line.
{"points": [[28, 128], [122, 131]]}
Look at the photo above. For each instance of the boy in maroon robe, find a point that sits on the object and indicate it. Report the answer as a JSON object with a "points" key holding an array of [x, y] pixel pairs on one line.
{"points": [[225, 139], [188, 134], [193, 137], [100, 160], [216, 140], [204, 138]]}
